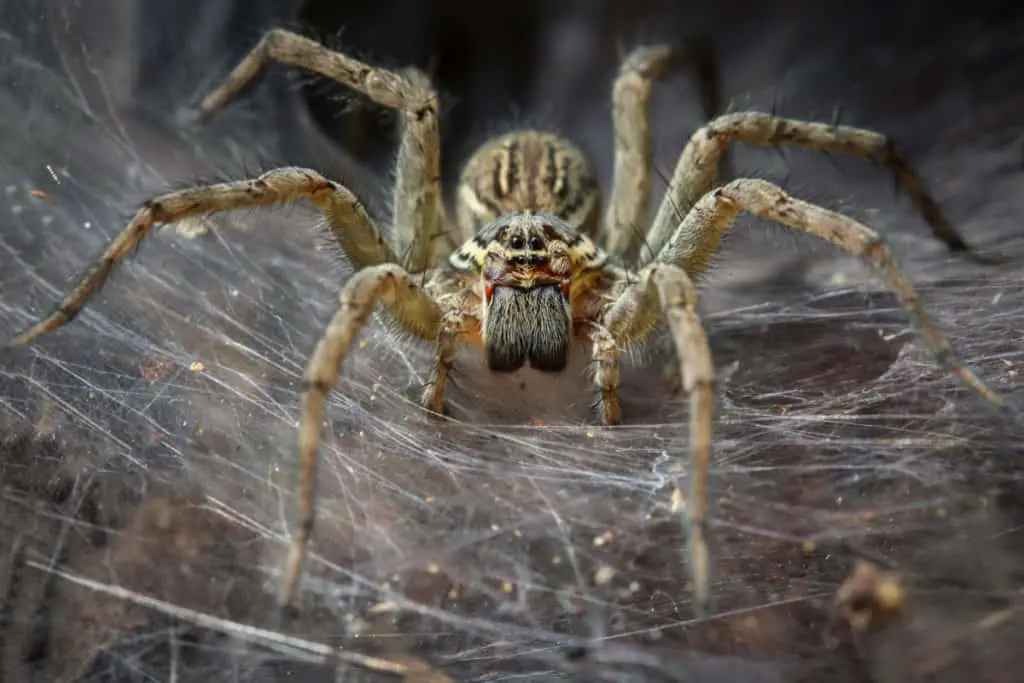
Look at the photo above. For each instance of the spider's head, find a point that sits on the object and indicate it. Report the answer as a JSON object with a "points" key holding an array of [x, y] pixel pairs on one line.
{"points": [[528, 171], [527, 265]]}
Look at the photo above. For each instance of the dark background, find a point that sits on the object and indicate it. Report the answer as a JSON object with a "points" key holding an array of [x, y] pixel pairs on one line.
{"points": [[496, 534]]}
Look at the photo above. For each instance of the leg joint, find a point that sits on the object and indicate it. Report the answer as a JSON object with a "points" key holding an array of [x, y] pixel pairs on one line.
{"points": [[875, 246], [305, 529], [316, 385]]}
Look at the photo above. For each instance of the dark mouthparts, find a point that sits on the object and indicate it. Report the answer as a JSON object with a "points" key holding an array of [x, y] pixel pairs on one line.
{"points": [[528, 326]]}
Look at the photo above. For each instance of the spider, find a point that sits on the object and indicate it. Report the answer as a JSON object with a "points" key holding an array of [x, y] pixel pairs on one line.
{"points": [[534, 269]]}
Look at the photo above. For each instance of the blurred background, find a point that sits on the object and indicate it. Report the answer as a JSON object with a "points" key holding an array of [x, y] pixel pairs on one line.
{"points": [[148, 447]]}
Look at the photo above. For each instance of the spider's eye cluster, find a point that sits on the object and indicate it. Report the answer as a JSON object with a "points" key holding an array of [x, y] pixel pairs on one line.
{"points": [[535, 242]]}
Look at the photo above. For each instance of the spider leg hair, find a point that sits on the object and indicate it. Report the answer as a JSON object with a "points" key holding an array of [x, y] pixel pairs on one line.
{"points": [[387, 283], [701, 231], [664, 289], [627, 209], [356, 233], [418, 212], [695, 171]]}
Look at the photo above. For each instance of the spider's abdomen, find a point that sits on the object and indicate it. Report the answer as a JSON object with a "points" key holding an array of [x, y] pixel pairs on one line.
{"points": [[528, 171], [527, 325]]}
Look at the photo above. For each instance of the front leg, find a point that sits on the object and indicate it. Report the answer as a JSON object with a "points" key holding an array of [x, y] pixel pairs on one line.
{"points": [[388, 284], [703, 227], [663, 292]]}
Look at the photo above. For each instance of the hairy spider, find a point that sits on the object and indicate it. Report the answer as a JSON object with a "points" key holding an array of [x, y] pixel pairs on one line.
{"points": [[530, 278]]}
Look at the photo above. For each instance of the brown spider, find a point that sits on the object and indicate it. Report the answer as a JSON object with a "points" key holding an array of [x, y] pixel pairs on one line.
{"points": [[529, 278]]}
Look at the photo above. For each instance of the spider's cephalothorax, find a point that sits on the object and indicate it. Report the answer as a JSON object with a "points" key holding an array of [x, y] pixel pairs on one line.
{"points": [[532, 272]]}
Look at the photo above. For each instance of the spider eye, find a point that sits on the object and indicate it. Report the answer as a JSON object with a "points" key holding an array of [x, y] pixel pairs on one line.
{"points": [[536, 243], [516, 242]]}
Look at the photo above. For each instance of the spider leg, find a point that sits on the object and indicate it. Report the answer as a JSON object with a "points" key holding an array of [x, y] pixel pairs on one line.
{"points": [[695, 172], [702, 229], [387, 283], [448, 335], [418, 213], [606, 375], [626, 215], [660, 291], [354, 230]]}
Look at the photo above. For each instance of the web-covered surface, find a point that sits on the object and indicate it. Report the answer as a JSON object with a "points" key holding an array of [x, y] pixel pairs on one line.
{"points": [[150, 444]]}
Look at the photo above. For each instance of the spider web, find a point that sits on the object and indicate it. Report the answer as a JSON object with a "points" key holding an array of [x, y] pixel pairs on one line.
{"points": [[149, 446]]}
